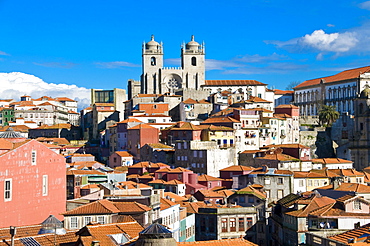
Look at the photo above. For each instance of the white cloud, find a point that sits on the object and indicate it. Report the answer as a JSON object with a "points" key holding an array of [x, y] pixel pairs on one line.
{"points": [[16, 84], [334, 42], [116, 64], [319, 41], [2, 53], [365, 5]]}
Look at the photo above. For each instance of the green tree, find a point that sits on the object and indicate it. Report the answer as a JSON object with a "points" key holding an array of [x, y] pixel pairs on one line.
{"points": [[328, 115]]}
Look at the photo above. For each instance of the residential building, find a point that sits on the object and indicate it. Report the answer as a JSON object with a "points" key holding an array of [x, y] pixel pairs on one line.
{"points": [[158, 152], [204, 157], [120, 158], [34, 183], [106, 212], [66, 131], [170, 217], [224, 222], [115, 96], [283, 97], [192, 110], [140, 135]]}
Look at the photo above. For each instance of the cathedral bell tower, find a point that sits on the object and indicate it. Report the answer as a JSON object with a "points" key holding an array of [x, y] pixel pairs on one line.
{"points": [[193, 64], [152, 56]]}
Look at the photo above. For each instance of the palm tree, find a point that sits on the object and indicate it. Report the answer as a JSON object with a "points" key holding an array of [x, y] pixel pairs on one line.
{"points": [[328, 115]]}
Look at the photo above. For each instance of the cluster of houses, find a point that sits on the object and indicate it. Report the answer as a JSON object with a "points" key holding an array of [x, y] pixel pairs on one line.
{"points": [[205, 162]]}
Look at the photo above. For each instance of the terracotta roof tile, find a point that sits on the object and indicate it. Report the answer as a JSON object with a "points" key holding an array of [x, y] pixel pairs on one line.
{"points": [[237, 168], [123, 154], [344, 75], [231, 82], [101, 232], [98, 207], [206, 177], [282, 92], [166, 203]]}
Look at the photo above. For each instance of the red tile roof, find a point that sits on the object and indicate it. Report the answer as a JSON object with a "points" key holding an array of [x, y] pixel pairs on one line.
{"points": [[257, 100], [237, 168], [232, 82], [282, 92], [123, 154], [206, 177], [344, 75], [101, 233], [108, 207], [287, 106]]}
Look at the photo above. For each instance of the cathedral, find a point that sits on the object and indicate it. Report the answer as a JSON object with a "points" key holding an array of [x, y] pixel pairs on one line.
{"points": [[157, 79]]}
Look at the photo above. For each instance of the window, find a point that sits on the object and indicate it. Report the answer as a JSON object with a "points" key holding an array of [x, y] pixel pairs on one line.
{"points": [[33, 157], [250, 199], [87, 220], [242, 199], [301, 183], [267, 193], [8, 190], [280, 181], [153, 61], [241, 224], [193, 61], [357, 205], [224, 225], [232, 224], [249, 222], [280, 194], [73, 223], [45, 185]]}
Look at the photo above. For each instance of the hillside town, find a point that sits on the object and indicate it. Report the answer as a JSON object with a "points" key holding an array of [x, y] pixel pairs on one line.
{"points": [[176, 159]]}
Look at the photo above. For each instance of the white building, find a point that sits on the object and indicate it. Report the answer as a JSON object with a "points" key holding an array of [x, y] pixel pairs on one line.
{"points": [[339, 90]]}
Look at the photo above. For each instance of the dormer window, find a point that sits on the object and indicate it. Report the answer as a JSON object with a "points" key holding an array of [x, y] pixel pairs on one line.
{"points": [[357, 204]]}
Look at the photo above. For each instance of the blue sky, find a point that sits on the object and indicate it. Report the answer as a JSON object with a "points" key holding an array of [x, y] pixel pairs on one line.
{"points": [[97, 44]]}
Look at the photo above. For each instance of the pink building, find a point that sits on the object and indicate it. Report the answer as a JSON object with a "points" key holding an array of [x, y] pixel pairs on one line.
{"points": [[140, 135], [209, 181], [33, 181]]}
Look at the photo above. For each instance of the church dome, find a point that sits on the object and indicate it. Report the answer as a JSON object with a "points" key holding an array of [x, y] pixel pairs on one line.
{"points": [[192, 45], [152, 44]]}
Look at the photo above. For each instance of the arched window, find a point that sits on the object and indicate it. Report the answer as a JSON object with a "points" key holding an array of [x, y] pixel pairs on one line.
{"points": [[194, 61], [153, 61]]}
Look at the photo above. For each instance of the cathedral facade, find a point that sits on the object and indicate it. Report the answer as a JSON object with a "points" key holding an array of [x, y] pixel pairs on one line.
{"points": [[157, 79]]}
